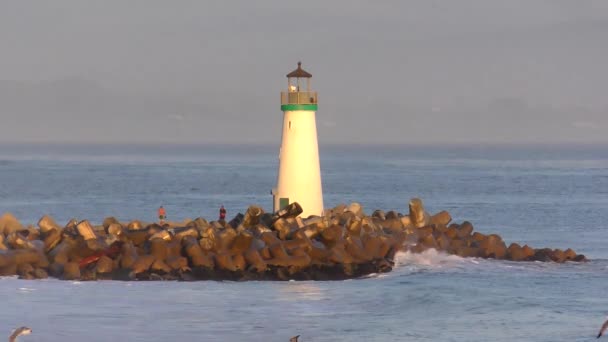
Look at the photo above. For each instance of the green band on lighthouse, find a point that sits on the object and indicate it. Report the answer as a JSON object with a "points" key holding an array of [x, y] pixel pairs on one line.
{"points": [[294, 107]]}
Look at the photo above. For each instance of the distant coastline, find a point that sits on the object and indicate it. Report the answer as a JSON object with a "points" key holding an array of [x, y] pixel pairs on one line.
{"points": [[572, 151]]}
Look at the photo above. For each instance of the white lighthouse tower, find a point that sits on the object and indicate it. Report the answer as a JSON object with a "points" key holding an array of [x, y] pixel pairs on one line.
{"points": [[299, 178]]}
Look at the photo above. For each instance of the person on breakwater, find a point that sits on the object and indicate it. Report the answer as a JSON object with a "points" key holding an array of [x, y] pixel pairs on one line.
{"points": [[162, 215], [222, 212]]}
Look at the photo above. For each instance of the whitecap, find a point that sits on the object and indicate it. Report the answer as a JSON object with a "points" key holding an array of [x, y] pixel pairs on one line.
{"points": [[430, 257]]}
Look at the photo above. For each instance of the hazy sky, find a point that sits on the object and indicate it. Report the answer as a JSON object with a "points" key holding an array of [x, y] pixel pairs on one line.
{"points": [[424, 71]]}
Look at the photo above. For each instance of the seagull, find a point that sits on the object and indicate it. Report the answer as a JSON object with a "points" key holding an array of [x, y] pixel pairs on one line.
{"points": [[294, 339], [604, 326], [18, 332]]}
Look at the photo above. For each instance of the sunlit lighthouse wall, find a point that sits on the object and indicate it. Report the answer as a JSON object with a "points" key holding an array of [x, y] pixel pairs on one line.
{"points": [[299, 176]]}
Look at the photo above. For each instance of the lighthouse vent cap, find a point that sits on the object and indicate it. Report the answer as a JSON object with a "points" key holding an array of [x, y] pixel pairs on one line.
{"points": [[299, 72]]}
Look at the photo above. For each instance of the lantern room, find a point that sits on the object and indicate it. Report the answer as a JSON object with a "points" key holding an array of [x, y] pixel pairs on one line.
{"points": [[298, 89]]}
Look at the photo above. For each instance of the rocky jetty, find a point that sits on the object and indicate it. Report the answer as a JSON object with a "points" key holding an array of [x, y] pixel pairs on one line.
{"points": [[344, 243]]}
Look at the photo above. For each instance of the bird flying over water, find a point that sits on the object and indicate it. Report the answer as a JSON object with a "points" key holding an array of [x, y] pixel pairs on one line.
{"points": [[604, 326], [18, 332], [294, 339]]}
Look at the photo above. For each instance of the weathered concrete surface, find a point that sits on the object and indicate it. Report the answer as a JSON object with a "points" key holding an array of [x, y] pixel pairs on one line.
{"points": [[344, 243]]}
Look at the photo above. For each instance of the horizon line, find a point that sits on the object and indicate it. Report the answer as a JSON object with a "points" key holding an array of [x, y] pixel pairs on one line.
{"points": [[330, 144]]}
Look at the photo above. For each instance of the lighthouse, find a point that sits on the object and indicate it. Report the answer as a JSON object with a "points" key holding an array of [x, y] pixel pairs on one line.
{"points": [[299, 177]]}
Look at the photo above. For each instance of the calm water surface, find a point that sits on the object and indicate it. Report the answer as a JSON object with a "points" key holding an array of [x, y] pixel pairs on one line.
{"points": [[553, 196]]}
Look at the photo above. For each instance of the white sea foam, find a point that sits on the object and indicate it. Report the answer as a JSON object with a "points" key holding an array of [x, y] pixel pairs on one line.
{"points": [[430, 258]]}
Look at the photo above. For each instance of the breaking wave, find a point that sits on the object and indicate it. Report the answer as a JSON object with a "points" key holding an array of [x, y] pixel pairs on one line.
{"points": [[431, 259]]}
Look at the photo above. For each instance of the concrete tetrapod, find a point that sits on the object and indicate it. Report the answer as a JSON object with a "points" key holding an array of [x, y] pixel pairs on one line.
{"points": [[344, 243]]}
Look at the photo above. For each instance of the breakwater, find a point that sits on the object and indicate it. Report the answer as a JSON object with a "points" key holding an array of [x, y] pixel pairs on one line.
{"points": [[344, 243]]}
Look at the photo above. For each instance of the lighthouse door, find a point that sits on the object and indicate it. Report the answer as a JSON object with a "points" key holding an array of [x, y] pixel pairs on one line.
{"points": [[283, 202]]}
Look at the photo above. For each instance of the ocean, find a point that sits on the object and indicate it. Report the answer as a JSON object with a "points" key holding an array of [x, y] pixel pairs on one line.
{"points": [[545, 196]]}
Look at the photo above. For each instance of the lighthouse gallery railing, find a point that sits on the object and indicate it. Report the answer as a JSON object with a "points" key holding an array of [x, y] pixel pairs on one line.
{"points": [[299, 97]]}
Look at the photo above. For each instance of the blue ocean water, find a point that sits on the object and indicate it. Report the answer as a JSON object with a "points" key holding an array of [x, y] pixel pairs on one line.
{"points": [[545, 196]]}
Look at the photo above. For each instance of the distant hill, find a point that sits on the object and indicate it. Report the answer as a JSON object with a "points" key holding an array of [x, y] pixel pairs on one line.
{"points": [[72, 110], [78, 110]]}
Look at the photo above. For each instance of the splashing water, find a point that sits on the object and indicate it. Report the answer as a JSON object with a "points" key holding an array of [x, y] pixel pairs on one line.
{"points": [[430, 258], [553, 197]]}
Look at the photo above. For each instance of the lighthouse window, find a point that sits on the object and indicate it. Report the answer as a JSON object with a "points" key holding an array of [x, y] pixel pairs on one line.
{"points": [[289, 124]]}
